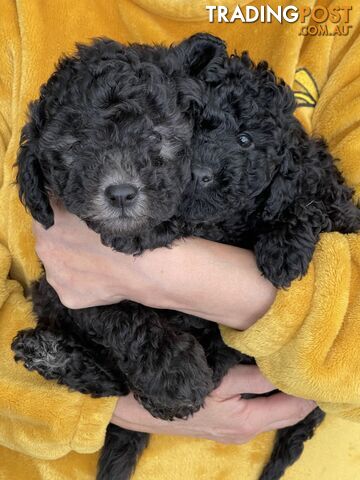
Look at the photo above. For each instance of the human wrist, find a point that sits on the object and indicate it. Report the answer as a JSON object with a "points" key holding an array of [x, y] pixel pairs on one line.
{"points": [[131, 415], [130, 277], [122, 413]]}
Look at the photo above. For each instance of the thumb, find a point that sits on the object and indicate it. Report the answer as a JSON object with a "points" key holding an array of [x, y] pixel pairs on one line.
{"points": [[278, 411], [242, 379]]}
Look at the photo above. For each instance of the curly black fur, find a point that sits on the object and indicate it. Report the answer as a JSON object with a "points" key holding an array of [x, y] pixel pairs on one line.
{"points": [[211, 148]]}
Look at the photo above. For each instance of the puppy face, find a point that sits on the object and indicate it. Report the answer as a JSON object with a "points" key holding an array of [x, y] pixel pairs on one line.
{"points": [[110, 137], [119, 176], [245, 135], [110, 141]]}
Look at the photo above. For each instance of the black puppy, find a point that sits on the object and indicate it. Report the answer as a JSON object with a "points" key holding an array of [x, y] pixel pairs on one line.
{"points": [[257, 171], [110, 137], [250, 180]]}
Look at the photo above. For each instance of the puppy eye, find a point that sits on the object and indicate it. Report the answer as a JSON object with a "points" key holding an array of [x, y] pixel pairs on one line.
{"points": [[158, 162], [245, 140]]}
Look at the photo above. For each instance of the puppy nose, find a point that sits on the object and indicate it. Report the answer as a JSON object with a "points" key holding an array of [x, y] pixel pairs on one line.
{"points": [[121, 195], [202, 175]]}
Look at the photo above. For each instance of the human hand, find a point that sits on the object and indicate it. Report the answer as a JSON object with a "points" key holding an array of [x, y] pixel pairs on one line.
{"points": [[213, 281], [226, 418], [78, 266]]}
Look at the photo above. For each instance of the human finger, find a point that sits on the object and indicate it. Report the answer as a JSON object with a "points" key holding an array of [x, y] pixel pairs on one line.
{"points": [[243, 379]]}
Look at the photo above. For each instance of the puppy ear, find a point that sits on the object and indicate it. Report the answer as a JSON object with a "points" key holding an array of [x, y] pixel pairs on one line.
{"points": [[31, 182], [255, 86], [202, 54], [296, 159], [283, 191]]}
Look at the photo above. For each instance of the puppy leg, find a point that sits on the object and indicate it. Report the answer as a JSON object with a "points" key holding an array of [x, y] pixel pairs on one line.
{"points": [[120, 453], [285, 251], [166, 370], [219, 356], [289, 445], [284, 254], [58, 357], [174, 380]]}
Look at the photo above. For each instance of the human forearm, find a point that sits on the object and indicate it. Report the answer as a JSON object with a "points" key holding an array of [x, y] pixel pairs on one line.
{"points": [[214, 281]]}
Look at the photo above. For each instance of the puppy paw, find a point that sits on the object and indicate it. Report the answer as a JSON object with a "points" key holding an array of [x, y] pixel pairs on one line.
{"points": [[178, 387], [282, 261], [167, 411], [180, 398], [41, 351]]}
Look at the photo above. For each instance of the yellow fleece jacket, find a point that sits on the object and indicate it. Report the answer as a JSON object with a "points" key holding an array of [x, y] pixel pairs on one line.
{"points": [[307, 344]]}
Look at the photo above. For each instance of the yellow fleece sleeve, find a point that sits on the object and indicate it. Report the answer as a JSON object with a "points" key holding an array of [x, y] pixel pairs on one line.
{"points": [[37, 417], [307, 344]]}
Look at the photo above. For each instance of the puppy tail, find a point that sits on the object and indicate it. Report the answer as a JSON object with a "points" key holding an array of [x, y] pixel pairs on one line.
{"points": [[289, 445], [120, 453]]}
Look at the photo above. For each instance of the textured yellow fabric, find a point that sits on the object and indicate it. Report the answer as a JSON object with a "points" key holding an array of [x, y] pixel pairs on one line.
{"points": [[306, 343]]}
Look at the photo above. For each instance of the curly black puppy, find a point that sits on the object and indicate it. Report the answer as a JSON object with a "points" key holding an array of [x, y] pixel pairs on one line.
{"points": [[110, 137], [257, 169], [118, 156]]}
